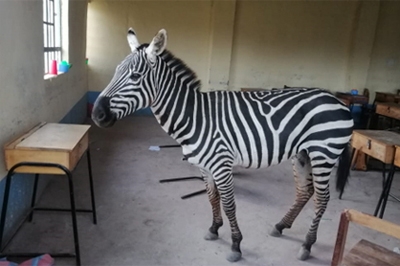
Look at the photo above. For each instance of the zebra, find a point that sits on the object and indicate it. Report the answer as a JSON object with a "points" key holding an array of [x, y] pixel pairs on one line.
{"points": [[218, 130]]}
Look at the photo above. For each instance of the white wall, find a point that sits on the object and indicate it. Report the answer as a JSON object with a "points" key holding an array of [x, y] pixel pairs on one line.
{"points": [[25, 97]]}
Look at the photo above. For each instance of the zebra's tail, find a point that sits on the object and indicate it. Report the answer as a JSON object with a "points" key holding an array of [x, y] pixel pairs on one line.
{"points": [[343, 170]]}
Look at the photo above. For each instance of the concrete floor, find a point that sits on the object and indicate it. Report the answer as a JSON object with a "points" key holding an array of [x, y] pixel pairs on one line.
{"points": [[143, 222]]}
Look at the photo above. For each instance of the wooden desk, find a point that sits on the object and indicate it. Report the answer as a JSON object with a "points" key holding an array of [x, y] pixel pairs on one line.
{"points": [[48, 149], [62, 144], [350, 99], [391, 110], [386, 97], [379, 144]]}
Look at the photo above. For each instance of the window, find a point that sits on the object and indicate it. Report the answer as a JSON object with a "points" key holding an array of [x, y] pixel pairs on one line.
{"points": [[53, 29]]}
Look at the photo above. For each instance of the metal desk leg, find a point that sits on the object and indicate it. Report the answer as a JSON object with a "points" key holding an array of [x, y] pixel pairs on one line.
{"points": [[380, 207], [388, 186], [72, 200], [4, 209], [33, 197], [74, 223], [89, 161]]}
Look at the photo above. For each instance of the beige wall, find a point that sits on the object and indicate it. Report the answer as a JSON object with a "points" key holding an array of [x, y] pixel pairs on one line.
{"points": [[384, 71], [25, 97], [337, 45], [187, 24]]}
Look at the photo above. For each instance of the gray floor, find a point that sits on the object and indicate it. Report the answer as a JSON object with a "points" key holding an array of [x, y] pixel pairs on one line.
{"points": [[143, 222]]}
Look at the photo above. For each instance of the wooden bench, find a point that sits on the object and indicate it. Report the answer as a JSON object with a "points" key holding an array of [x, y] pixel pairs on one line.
{"points": [[364, 253]]}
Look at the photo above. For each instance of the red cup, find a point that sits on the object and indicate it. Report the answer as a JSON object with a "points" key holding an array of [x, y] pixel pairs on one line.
{"points": [[53, 67]]}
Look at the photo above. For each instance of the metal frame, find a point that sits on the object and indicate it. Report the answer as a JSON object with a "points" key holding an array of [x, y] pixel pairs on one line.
{"points": [[183, 178], [73, 209]]}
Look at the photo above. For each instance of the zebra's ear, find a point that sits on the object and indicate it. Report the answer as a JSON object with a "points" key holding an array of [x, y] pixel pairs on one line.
{"points": [[158, 44], [132, 40]]}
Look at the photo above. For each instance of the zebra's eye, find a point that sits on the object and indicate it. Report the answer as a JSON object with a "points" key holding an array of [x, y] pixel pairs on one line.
{"points": [[135, 76]]}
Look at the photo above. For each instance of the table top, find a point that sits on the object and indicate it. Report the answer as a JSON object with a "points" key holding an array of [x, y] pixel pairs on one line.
{"points": [[383, 136], [389, 104], [52, 136]]}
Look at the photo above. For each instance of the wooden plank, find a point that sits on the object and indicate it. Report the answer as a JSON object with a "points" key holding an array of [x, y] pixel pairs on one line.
{"points": [[54, 136], [365, 253], [12, 157], [340, 240], [374, 223]]}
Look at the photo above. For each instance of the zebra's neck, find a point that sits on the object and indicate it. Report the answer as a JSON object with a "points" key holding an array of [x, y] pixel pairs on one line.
{"points": [[178, 98]]}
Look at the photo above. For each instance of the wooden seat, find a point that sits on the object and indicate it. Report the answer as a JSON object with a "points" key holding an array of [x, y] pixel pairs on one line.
{"points": [[365, 253]]}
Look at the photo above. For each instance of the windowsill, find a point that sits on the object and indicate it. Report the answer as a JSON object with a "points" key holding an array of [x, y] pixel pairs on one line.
{"points": [[52, 76]]}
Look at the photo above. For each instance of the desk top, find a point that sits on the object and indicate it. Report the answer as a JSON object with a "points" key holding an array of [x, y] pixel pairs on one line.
{"points": [[391, 104], [382, 136], [54, 136], [62, 144]]}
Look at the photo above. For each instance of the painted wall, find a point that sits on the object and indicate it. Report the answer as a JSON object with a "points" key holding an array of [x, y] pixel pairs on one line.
{"points": [[384, 71], [187, 24], [337, 45], [25, 97], [293, 43]]}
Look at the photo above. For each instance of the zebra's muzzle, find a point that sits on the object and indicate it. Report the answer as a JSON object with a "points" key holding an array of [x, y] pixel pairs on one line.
{"points": [[101, 113]]}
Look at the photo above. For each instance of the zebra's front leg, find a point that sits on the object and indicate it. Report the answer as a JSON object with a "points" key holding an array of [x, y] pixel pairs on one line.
{"points": [[224, 182], [214, 198]]}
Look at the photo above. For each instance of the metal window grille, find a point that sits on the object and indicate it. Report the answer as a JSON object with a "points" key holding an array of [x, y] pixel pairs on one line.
{"points": [[52, 32]]}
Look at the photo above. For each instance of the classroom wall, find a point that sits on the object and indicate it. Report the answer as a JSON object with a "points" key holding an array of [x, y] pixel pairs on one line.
{"points": [[337, 45], [384, 70], [25, 97]]}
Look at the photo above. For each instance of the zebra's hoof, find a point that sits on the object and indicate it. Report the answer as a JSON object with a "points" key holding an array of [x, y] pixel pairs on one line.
{"points": [[275, 232], [234, 256], [303, 254], [210, 236]]}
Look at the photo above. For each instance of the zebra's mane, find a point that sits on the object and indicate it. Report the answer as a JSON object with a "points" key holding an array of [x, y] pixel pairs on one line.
{"points": [[178, 66]]}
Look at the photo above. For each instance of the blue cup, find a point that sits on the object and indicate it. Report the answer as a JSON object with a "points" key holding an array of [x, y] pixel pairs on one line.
{"points": [[63, 68]]}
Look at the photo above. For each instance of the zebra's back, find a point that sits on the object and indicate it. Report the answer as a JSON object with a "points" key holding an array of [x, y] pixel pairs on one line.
{"points": [[265, 128]]}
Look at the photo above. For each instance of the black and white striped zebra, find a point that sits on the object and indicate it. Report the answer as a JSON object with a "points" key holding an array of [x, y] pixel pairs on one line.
{"points": [[221, 129]]}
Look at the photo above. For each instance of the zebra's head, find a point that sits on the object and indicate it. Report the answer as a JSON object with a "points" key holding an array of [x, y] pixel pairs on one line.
{"points": [[132, 87]]}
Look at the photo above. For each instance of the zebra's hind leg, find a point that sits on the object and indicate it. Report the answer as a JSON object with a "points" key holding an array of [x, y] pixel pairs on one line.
{"points": [[214, 198], [304, 191], [321, 173], [224, 182]]}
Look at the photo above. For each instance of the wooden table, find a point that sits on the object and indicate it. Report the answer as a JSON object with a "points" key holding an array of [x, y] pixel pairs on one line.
{"points": [[48, 148], [391, 110], [386, 97], [381, 145], [350, 99]]}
